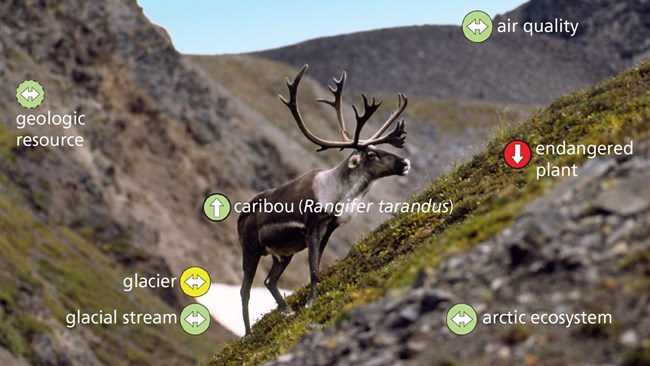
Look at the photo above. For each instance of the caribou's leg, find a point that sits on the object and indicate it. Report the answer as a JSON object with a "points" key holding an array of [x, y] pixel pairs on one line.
{"points": [[313, 248], [323, 243], [271, 282], [250, 262]]}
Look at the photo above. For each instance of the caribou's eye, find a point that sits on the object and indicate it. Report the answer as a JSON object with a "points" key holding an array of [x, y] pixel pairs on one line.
{"points": [[372, 156]]}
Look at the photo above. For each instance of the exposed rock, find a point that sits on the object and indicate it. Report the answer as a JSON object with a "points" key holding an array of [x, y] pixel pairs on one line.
{"points": [[154, 123]]}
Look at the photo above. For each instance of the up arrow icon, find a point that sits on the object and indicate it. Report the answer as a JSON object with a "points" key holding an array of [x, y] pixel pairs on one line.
{"points": [[216, 207]]}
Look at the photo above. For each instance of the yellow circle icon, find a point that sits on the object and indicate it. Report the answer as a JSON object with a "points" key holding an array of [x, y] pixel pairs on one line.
{"points": [[195, 281]]}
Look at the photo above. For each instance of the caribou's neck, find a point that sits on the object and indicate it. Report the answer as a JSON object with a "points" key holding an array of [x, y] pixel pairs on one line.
{"points": [[341, 183]]}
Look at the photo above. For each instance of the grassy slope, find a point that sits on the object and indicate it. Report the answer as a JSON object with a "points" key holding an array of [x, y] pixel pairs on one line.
{"points": [[487, 196], [256, 82], [454, 117], [48, 272]]}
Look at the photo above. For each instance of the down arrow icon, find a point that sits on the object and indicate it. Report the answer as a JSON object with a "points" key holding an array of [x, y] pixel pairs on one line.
{"points": [[517, 154]]}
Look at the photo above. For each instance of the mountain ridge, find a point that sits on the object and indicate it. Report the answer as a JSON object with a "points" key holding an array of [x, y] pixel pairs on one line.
{"points": [[620, 28], [437, 61]]}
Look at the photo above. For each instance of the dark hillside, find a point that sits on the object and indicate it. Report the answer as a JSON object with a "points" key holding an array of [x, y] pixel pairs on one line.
{"points": [[437, 61], [620, 29]]}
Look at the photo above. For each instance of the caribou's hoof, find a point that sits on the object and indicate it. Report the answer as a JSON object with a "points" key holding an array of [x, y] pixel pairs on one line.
{"points": [[309, 303], [316, 277], [288, 311]]}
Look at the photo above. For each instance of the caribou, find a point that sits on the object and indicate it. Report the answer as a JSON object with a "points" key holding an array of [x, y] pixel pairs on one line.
{"points": [[283, 234]]}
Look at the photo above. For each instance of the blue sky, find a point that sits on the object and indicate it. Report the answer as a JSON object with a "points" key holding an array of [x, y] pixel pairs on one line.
{"points": [[235, 26]]}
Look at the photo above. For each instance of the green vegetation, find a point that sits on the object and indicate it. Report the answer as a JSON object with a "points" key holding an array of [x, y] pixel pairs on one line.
{"points": [[487, 195], [7, 142], [456, 116], [49, 272], [637, 357]]}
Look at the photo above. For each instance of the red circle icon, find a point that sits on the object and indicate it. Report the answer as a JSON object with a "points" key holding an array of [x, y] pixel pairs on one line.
{"points": [[517, 154]]}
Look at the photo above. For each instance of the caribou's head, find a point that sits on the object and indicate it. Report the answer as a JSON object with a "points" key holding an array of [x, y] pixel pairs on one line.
{"points": [[377, 163], [367, 159]]}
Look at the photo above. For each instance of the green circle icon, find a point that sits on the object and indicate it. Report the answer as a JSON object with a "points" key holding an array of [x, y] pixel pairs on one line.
{"points": [[462, 319], [195, 319], [477, 26], [30, 94], [216, 207]]}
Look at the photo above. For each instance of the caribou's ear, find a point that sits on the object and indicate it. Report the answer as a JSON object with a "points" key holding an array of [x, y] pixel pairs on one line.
{"points": [[354, 160]]}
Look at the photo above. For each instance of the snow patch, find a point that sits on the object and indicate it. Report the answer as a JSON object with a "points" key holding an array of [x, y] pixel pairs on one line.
{"points": [[224, 303]]}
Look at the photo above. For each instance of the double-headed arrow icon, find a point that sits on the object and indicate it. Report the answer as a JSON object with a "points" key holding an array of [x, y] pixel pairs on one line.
{"points": [[464, 319], [461, 319], [195, 319], [30, 94], [195, 281], [477, 25]]}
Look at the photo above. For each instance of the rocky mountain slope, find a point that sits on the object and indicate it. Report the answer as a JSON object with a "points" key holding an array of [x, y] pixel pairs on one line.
{"points": [[159, 137], [75, 222], [437, 61], [148, 133], [513, 243], [50, 272]]}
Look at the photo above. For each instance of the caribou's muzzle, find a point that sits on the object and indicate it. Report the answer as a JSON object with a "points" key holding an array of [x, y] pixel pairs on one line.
{"points": [[404, 166]]}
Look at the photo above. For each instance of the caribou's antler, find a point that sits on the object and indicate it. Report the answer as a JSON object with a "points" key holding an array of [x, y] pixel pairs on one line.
{"points": [[336, 103], [368, 110], [397, 137]]}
